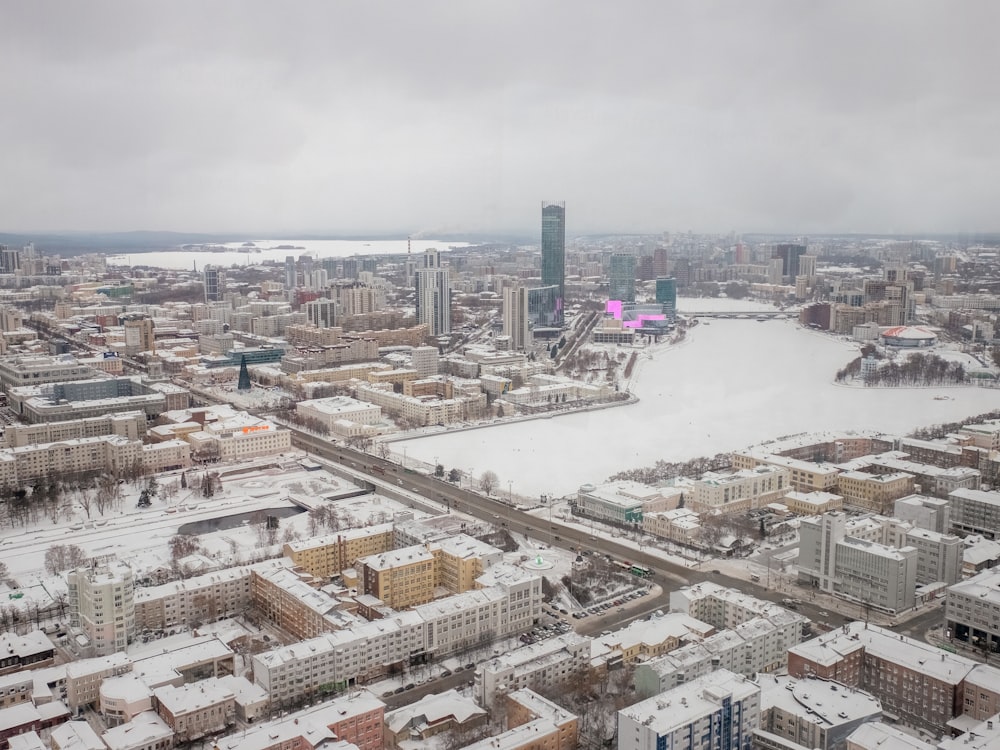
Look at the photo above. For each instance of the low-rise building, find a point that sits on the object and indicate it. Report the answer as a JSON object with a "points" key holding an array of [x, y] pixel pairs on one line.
{"points": [[623, 502], [526, 708], [147, 731], [196, 710], [400, 578], [873, 493], [931, 513], [878, 736], [810, 713], [812, 503], [359, 652], [431, 715], [29, 651]]}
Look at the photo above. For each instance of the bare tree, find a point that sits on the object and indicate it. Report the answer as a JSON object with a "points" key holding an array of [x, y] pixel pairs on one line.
{"points": [[4, 572], [60, 557], [488, 481], [86, 500], [182, 545]]}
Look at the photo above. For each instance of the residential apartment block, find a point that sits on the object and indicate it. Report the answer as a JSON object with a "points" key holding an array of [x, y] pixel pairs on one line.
{"points": [[548, 663], [102, 604], [721, 709], [810, 713], [972, 611], [738, 491], [975, 512], [326, 556], [805, 476], [873, 493], [510, 604], [919, 685]]}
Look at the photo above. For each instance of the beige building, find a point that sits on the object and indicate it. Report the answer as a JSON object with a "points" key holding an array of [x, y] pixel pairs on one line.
{"points": [[329, 411], [196, 710], [805, 476], [292, 601], [123, 698], [326, 556], [431, 715], [205, 598], [166, 455], [400, 578], [738, 491], [69, 458], [130, 425], [424, 411], [460, 559], [873, 493], [147, 731], [812, 503], [677, 525], [84, 678]]}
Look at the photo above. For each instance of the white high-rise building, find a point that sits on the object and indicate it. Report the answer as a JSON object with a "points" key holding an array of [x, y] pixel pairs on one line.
{"points": [[321, 312], [101, 602], [433, 295], [515, 316], [425, 360]]}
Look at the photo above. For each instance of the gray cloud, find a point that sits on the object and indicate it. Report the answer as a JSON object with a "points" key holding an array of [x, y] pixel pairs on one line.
{"points": [[643, 116]]}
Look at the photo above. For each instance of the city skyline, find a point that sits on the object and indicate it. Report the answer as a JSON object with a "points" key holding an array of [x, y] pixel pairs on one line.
{"points": [[671, 117]]}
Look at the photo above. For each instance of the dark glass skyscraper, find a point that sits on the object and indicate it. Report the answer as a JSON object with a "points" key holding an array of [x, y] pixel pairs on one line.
{"points": [[666, 295], [621, 278], [554, 250]]}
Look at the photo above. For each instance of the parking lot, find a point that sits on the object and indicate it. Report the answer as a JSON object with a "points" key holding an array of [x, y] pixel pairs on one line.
{"points": [[617, 603]]}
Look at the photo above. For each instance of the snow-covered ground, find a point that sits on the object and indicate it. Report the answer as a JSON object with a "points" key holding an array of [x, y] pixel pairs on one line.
{"points": [[142, 536], [730, 384]]}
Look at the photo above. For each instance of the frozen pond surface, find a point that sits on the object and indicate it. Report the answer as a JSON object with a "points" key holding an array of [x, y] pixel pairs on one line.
{"points": [[731, 384]]}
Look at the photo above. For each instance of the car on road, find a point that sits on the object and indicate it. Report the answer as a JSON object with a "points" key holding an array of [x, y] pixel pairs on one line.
{"points": [[409, 687], [398, 690], [824, 614]]}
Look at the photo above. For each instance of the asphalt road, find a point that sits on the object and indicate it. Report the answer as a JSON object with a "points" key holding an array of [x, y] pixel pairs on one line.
{"points": [[819, 608]]}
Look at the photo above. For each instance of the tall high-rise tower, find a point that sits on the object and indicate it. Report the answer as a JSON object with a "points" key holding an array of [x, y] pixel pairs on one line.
{"points": [[215, 283], [515, 316], [291, 274], [433, 295], [621, 277], [790, 255], [554, 250], [666, 295]]}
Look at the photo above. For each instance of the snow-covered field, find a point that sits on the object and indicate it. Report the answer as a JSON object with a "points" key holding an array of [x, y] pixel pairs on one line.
{"points": [[142, 536], [730, 384]]}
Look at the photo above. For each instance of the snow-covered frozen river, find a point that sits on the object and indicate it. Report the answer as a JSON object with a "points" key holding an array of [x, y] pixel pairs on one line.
{"points": [[731, 384]]}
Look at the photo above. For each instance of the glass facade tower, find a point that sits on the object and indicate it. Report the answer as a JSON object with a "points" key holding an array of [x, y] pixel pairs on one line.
{"points": [[554, 250]]}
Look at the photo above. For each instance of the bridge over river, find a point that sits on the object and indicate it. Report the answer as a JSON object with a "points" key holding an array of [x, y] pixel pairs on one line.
{"points": [[742, 315]]}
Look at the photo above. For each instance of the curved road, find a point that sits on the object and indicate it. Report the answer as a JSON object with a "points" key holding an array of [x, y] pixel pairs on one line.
{"points": [[667, 574]]}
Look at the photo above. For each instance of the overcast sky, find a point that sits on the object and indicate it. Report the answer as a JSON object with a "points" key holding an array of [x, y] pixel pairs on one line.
{"points": [[270, 117]]}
